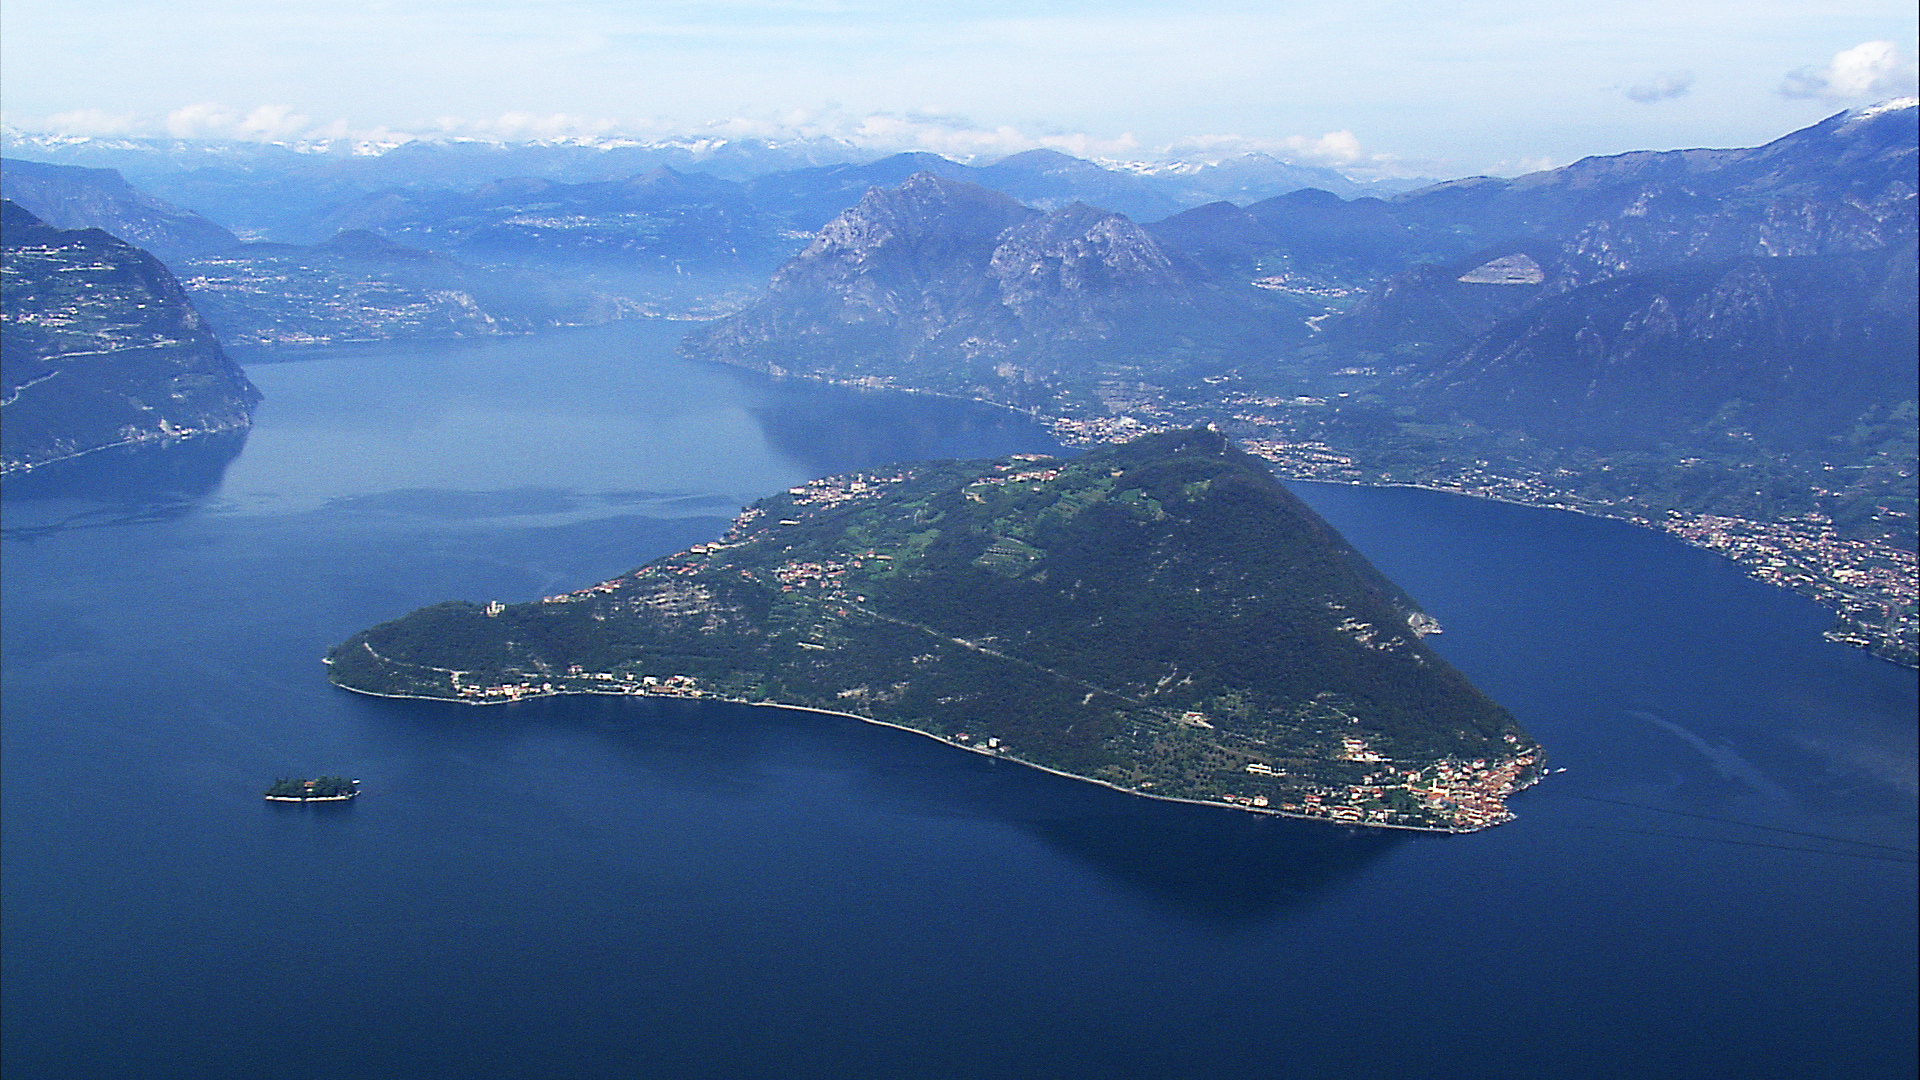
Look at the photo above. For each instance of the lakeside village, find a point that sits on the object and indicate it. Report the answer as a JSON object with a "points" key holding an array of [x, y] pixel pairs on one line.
{"points": [[1873, 586], [1469, 795], [1465, 796]]}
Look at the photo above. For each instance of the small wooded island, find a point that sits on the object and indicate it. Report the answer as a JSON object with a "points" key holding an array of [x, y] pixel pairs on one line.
{"points": [[1162, 617], [319, 789]]}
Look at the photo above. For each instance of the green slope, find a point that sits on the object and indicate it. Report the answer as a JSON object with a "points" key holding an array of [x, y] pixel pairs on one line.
{"points": [[1163, 616]]}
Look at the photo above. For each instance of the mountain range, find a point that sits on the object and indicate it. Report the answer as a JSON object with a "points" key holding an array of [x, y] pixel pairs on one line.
{"points": [[1657, 335], [282, 191], [938, 279], [945, 285], [1654, 335]]}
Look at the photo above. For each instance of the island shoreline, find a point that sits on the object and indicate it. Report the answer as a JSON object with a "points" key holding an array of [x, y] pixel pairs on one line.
{"points": [[1262, 811]]}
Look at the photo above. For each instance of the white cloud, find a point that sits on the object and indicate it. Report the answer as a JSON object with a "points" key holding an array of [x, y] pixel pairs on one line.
{"points": [[92, 122], [210, 120], [955, 137], [520, 126], [1665, 86], [1333, 148], [1871, 69], [1522, 166]]}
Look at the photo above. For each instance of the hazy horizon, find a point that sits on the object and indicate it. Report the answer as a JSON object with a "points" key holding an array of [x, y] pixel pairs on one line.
{"points": [[1384, 89]]}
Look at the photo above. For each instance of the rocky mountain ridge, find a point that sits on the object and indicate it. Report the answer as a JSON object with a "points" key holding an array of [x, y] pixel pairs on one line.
{"points": [[947, 285], [1726, 333], [72, 197]]}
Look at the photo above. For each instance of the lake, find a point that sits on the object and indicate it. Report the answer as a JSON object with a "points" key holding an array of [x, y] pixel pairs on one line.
{"points": [[1721, 883]]}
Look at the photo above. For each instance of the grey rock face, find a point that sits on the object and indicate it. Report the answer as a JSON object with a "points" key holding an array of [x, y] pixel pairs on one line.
{"points": [[1789, 350], [945, 285], [1067, 269], [72, 197]]}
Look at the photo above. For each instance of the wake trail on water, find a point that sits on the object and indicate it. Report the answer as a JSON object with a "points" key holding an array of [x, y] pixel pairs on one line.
{"points": [[1751, 843], [1752, 825]]}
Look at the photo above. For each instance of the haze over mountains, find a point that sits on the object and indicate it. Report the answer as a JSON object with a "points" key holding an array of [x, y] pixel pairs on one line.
{"points": [[77, 197], [584, 231], [1698, 332], [1718, 332], [278, 190], [1458, 259]]}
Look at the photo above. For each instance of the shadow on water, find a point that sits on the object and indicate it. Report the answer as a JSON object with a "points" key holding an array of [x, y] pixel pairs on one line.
{"points": [[1208, 865], [134, 483], [1215, 866], [852, 429]]}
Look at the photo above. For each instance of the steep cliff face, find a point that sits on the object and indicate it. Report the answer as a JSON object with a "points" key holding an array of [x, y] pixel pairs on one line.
{"points": [[101, 348], [71, 197], [1547, 243], [1074, 271], [916, 248], [948, 286], [1845, 184], [1790, 351]]}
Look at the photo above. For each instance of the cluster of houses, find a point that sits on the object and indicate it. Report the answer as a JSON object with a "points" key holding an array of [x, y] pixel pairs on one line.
{"points": [[1466, 795], [625, 682], [1307, 459], [1080, 431], [838, 490], [1872, 581]]}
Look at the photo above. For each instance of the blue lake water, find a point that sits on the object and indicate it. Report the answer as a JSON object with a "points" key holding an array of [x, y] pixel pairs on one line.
{"points": [[1721, 884]]}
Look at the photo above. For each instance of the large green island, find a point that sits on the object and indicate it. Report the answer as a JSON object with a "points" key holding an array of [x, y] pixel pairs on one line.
{"points": [[1162, 617]]}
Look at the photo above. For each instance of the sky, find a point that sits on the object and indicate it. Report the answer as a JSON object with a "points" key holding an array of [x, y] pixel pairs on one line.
{"points": [[1376, 87]]}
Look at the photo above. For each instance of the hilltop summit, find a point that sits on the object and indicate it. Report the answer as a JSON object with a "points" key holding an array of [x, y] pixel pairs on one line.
{"points": [[1162, 617]]}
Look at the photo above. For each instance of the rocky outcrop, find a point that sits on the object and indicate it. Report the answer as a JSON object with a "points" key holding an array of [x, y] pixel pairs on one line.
{"points": [[102, 349], [1074, 271], [1790, 351], [945, 285]]}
